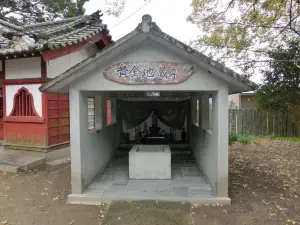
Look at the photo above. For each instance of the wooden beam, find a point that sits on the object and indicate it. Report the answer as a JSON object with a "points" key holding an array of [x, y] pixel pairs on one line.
{"points": [[41, 80]]}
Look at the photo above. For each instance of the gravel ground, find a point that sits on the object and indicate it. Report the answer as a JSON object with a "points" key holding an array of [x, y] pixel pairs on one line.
{"points": [[264, 188]]}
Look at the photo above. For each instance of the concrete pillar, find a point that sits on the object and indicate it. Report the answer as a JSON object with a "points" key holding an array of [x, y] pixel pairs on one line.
{"points": [[199, 98], [194, 109], [205, 111], [189, 122], [77, 109], [220, 137], [99, 123]]}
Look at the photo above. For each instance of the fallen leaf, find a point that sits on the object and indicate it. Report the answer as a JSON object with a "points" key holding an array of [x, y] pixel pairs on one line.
{"points": [[56, 198], [291, 221], [195, 205], [272, 214], [71, 222], [3, 222], [225, 211], [282, 209]]}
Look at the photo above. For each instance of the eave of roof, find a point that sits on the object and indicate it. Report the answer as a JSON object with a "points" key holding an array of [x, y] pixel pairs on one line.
{"points": [[148, 27], [16, 41]]}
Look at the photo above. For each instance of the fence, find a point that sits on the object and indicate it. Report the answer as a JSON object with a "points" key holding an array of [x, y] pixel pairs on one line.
{"points": [[261, 123]]}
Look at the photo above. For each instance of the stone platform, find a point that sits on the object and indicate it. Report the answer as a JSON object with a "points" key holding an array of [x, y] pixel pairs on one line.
{"points": [[17, 160], [186, 184]]}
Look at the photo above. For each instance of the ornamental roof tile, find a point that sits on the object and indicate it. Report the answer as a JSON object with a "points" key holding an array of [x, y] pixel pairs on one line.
{"points": [[16, 40]]}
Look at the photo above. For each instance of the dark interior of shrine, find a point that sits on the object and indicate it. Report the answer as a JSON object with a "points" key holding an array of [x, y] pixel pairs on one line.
{"points": [[155, 120]]}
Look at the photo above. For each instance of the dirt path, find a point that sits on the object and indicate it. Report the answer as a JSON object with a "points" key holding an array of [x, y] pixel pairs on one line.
{"points": [[264, 188], [39, 197]]}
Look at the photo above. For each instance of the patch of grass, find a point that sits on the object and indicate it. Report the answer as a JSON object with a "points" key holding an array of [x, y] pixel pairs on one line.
{"points": [[245, 139], [233, 137], [290, 139]]}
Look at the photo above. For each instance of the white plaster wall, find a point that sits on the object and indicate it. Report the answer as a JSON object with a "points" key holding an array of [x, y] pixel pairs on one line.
{"points": [[11, 90], [23, 68], [57, 66], [90, 152], [200, 80]]}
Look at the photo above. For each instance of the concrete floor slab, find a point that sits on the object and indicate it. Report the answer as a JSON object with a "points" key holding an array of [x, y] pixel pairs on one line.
{"points": [[16, 160], [114, 184]]}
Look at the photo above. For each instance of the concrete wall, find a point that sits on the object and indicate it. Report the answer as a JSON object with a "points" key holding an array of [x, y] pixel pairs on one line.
{"points": [[90, 151], [146, 51], [235, 101], [210, 147], [205, 153], [247, 102], [242, 101]]}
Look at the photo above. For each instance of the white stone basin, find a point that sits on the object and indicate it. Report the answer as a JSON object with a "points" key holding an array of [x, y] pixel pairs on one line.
{"points": [[150, 162], [152, 148]]}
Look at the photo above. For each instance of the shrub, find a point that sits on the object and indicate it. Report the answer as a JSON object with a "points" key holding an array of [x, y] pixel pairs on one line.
{"points": [[233, 137], [245, 139]]}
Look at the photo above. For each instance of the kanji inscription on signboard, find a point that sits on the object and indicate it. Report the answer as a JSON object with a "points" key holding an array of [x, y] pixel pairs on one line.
{"points": [[149, 72]]}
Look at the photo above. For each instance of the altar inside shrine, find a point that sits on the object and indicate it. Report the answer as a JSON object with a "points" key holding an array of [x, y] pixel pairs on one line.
{"points": [[142, 157], [160, 126]]}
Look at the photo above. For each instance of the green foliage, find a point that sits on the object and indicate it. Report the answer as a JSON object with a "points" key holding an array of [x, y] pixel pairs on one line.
{"points": [[241, 33], [32, 11], [232, 138], [245, 139], [281, 82]]}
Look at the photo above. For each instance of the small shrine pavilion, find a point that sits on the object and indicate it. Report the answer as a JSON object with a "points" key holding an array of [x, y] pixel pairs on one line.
{"points": [[149, 120]]}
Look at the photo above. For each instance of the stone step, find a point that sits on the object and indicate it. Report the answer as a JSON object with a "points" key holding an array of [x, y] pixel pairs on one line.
{"points": [[14, 167], [10, 167]]}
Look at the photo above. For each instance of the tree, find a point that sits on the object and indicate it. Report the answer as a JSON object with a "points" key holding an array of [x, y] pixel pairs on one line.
{"points": [[281, 85], [243, 33], [33, 11]]}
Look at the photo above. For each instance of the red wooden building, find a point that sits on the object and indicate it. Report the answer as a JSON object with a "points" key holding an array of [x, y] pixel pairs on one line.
{"points": [[32, 55]]}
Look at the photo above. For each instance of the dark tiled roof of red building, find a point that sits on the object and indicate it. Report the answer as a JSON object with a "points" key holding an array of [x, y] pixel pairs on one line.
{"points": [[17, 40]]}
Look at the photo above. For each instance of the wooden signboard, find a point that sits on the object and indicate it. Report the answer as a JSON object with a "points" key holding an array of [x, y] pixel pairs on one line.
{"points": [[149, 72]]}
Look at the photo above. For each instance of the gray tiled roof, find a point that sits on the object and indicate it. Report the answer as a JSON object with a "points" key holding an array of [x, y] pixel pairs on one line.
{"points": [[16, 40], [150, 29]]}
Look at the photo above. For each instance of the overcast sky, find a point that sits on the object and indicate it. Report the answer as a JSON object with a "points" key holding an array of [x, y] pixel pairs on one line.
{"points": [[169, 15]]}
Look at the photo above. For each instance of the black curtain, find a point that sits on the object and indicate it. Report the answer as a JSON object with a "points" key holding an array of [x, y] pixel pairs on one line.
{"points": [[171, 113], [134, 114]]}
